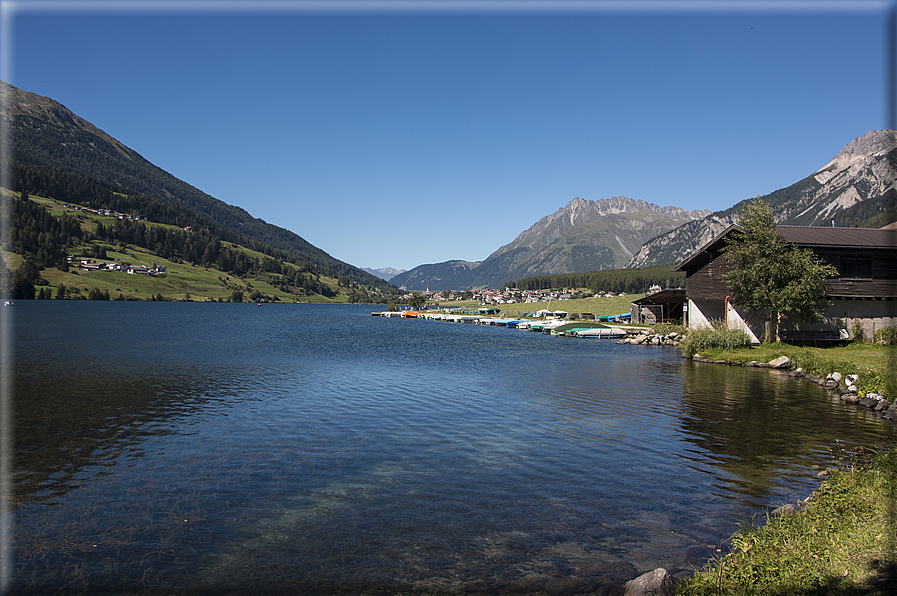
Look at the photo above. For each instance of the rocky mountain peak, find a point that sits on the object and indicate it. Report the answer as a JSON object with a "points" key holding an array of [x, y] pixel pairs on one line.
{"points": [[874, 142], [580, 210], [855, 187]]}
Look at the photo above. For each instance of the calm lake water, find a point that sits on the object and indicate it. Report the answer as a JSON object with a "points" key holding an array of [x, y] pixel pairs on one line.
{"points": [[236, 448]]}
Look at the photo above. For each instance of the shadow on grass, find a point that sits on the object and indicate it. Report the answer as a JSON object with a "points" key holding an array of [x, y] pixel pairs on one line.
{"points": [[883, 583]]}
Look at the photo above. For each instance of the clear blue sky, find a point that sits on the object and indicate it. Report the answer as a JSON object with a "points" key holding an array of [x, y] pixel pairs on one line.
{"points": [[396, 137]]}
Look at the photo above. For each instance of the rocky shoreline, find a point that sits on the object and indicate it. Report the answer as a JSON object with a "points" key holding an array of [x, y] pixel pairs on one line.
{"points": [[641, 337], [842, 387]]}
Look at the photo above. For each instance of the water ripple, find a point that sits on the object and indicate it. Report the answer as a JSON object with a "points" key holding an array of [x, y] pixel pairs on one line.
{"points": [[240, 448]]}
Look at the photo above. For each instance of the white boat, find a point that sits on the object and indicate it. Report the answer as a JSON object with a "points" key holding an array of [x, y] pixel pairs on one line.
{"points": [[609, 332]]}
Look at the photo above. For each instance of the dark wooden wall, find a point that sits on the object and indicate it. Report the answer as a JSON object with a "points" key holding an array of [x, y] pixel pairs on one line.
{"points": [[706, 282], [866, 272], [879, 264]]}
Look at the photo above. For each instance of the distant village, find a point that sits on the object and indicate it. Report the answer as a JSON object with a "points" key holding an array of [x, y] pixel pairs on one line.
{"points": [[116, 266], [513, 296], [87, 265], [105, 213]]}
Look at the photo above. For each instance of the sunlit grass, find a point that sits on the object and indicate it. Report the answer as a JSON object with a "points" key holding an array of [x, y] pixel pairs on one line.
{"points": [[842, 542]]}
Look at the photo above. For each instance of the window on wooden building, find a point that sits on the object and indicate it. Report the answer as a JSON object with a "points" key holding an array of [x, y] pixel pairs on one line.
{"points": [[856, 267]]}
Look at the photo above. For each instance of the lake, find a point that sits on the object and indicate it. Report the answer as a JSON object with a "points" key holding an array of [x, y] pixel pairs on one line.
{"points": [[236, 448]]}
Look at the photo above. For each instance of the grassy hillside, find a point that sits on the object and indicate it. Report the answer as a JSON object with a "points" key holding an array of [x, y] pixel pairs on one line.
{"points": [[56, 151], [181, 280]]}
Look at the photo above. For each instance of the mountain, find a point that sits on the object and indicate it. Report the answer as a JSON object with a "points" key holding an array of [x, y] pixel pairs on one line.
{"points": [[855, 188], [48, 137], [581, 236], [386, 273], [437, 276]]}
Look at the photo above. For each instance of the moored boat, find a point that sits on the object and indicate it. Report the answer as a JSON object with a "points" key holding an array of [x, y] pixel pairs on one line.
{"points": [[565, 329], [608, 332]]}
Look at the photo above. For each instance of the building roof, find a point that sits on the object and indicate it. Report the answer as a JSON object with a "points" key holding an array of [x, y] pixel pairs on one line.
{"points": [[715, 244], [823, 236], [676, 296], [808, 236]]}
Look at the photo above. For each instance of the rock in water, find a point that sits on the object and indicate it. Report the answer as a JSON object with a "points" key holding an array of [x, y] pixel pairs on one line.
{"points": [[653, 583]]}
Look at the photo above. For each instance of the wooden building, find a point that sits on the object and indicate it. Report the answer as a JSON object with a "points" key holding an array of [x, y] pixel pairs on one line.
{"points": [[863, 296]]}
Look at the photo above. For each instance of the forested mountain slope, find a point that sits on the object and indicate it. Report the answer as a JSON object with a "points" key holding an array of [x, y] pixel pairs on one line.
{"points": [[48, 138]]}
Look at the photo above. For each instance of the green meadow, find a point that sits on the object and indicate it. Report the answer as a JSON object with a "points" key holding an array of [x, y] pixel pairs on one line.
{"points": [[615, 305]]}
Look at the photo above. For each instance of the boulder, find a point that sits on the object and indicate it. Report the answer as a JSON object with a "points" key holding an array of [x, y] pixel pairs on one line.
{"points": [[653, 583], [835, 376], [891, 412], [868, 402], [780, 362]]}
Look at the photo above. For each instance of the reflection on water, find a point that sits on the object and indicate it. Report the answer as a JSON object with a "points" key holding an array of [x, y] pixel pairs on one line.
{"points": [[235, 449], [755, 428]]}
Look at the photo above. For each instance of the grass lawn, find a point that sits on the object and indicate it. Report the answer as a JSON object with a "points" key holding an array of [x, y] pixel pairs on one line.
{"points": [[857, 356]]}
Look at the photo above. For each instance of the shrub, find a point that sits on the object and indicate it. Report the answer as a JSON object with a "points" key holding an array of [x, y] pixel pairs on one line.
{"points": [[717, 336], [880, 383], [886, 336], [858, 333]]}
